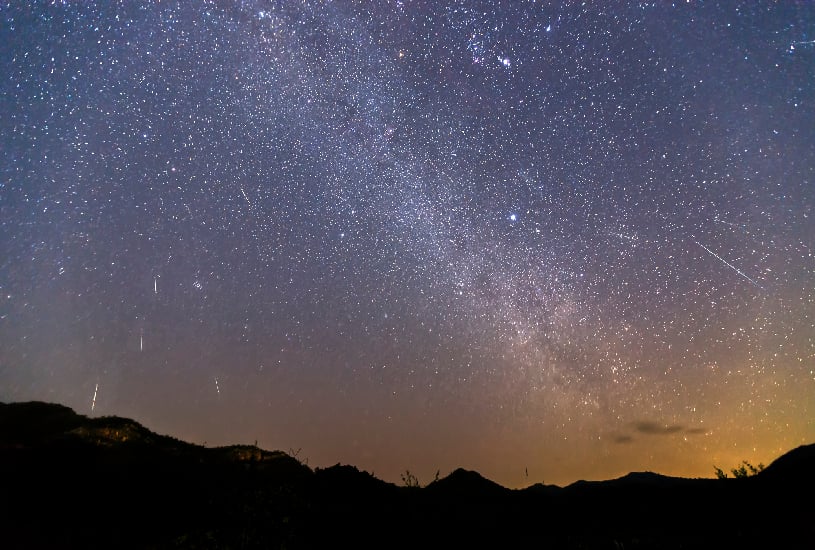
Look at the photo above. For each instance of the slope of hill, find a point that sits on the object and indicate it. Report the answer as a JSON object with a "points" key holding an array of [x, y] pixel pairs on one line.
{"points": [[73, 481]]}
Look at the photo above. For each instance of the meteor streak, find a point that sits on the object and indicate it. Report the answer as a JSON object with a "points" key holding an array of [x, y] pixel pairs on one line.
{"points": [[728, 264], [93, 403], [246, 197]]}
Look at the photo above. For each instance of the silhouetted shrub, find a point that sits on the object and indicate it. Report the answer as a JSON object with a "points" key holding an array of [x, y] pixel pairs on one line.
{"points": [[745, 469], [410, 480]]}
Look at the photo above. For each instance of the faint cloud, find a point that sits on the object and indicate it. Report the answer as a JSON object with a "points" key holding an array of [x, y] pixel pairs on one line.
{"points": [[655, 428], [649, 427], [696, 431]]}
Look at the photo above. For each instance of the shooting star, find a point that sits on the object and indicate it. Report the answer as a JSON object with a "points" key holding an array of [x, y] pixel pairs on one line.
{"points": [[731, 224], [217, 388], [728, 264], [93, 403], [155, 285], [801, 43], [245, 196]]}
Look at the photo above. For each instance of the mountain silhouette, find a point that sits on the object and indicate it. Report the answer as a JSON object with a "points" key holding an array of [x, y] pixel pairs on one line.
{"points": [[75, 482]]}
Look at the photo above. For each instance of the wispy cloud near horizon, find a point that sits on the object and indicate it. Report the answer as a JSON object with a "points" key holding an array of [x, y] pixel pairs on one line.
{"points": [[649, 427]]}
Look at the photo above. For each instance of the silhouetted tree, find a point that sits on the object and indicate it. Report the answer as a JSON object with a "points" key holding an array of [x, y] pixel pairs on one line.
{"points": [[745, 469]]}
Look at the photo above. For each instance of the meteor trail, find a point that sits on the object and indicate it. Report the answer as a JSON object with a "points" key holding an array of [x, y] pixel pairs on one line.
{"points": [[246, 197], [740, 226], [93, 403], [728, 264]]}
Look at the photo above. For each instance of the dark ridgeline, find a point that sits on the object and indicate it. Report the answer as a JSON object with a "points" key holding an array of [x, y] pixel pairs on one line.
{"points": [[75, 482]]}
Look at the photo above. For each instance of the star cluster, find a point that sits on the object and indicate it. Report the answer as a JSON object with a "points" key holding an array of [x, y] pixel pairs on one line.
{"points": [[542, 241]]}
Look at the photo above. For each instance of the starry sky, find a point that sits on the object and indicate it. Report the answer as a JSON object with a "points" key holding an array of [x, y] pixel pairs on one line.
{"points": [[544, 241]]}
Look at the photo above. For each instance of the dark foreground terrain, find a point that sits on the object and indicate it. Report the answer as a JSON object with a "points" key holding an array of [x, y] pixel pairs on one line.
{"points": [[74, 482]]}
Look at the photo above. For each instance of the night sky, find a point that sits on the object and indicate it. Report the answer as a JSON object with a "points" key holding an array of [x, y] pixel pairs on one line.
{"points": [[544, 241]]}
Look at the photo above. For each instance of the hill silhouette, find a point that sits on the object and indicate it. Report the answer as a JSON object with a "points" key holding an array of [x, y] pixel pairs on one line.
{"points": [[72, 481]]}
